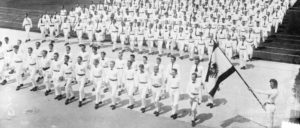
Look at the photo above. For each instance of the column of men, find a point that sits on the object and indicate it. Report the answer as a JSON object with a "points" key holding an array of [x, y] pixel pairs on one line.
{"points": [[192, 26], [45, 67]]}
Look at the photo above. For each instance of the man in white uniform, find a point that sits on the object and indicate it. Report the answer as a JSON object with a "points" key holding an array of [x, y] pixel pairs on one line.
{"points": [[27, 24], [156, 80], [173, 84], [81, 70]]}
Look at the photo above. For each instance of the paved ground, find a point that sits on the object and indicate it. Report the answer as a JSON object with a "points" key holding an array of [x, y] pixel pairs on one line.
{"points": [[236, 107]]}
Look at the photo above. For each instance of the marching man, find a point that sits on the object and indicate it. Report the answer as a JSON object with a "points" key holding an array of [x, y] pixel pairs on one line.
{"points": [[173, 83], [129, 81], [67, 76], [27, 24], [66, 27], [97, 80], [56, 71], [17, 66], [156, 80], [195, 89], [80, 70], [242, 52], [142, 80], [113, 80], [42, 27]]}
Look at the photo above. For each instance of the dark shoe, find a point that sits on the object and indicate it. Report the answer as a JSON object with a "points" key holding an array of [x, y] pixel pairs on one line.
{"points": [[130, 106], [210, 105], [105, 90], [72, 98], [143, 110], [67, 102], [93, 89], [113, 107], [243, 68], [193, 123], [19, 87], [174, 116], [47, 92], [34, 89], [80, 104], [181, 57], [156, 113], [57, 97], [96, 106], [83, 99], [3, 82]]}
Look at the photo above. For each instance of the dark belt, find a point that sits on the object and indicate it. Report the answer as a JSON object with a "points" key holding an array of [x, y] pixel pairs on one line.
{"points": [[68, 73], [269, 103], [130, 79], [195, 94], [46, 68], [97, 76], [80, 74], [18, 61], [174, 87], [143, 82], [32, 64], [56, 70], [2, 58], [119, 68], [113, 79], [9, 50], [156, 86]]}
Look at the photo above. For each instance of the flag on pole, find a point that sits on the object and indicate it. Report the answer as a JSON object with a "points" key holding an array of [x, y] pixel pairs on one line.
{"points": [[219, 67]]}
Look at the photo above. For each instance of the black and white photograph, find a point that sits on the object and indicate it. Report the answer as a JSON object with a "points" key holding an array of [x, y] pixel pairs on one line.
{"points": [[149, 63]]}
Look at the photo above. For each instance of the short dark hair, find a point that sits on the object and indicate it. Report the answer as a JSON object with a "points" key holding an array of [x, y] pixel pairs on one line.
{"points": [[274, 81], [173, 57], [145, 57]]}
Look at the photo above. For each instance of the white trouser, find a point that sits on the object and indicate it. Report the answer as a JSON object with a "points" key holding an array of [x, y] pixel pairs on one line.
{"points": [[90, 35], [51, 29], [130, 86], [157, 93], [114, 37], [191, 49], [27, 30], [140, 40], [98, 81], [201, 50], [243, 57], [123, 40], [159, 46], [132, 40], [79, 36], [57, 83], [66, 35], [181, 44], [150, 43], [228, 51], [43, 31], [114, 87], [81, 79]]}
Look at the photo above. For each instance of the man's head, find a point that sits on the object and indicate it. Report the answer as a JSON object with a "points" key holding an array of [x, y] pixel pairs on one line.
{"points": [[96, 62], [66, 58], [273, 83], [55, 56], [173, 59], [79, 59]]}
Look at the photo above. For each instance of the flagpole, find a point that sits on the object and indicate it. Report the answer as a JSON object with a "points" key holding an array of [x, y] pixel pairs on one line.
{"points": [[243, 80]]}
